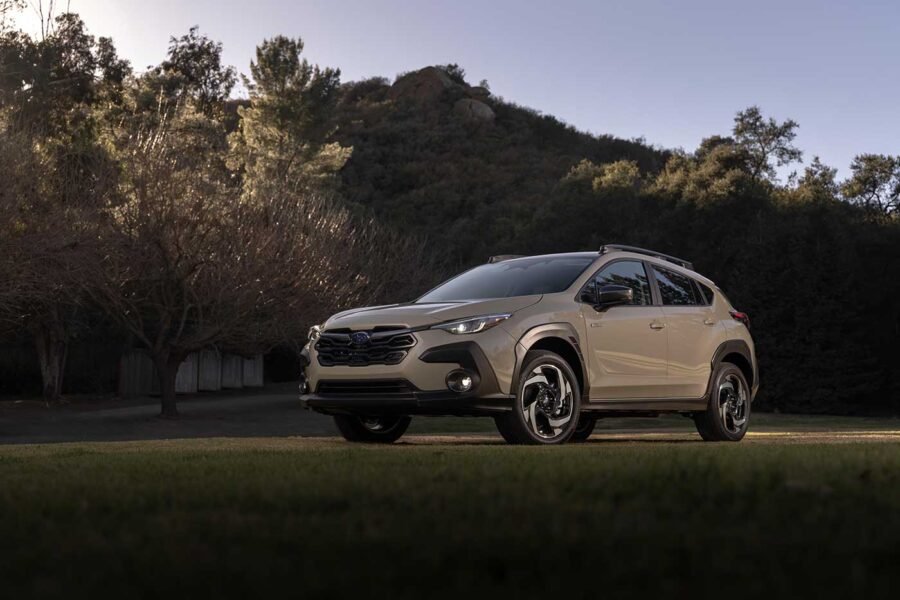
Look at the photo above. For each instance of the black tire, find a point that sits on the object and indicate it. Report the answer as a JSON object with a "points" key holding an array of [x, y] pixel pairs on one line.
{"points": [[501, 422], [727, 415], [584, 429], [557, 425], [371, 430], [702, 427]]}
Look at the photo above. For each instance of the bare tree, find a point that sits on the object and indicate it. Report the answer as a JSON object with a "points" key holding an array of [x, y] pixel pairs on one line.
{"points": [[7, 8], [56, 174], [41, 250], [185, 263]]}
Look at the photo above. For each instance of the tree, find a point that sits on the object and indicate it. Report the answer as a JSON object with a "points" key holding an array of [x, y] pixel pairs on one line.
{"points": [[874, 183], [8, 7], [15, 289], [56, 175], [769, 144], [454, 72], [619, 175], [282, 136], [817, 182], [193, 70], [184, 263], [715, 174]]}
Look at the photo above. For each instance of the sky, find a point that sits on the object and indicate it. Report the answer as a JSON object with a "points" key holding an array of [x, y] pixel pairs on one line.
{"points": [[672, 71]]}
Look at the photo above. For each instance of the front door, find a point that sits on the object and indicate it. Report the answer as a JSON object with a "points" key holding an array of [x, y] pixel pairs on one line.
{"points": [[627, 344]]}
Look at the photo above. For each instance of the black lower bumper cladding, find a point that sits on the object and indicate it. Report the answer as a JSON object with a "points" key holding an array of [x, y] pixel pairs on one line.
{"points": [[399, 396]]}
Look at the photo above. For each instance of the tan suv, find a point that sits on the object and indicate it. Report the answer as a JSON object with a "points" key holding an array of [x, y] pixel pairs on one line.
{"points": [[544, 344]]}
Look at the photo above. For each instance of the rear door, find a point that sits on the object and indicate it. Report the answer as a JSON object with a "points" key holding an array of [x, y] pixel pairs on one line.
{"points": [[694, 332], [627, 343]]}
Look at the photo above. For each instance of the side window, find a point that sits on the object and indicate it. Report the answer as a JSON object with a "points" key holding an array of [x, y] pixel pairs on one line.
{"points": [[706, 294], [675, 289], [630, 274]]}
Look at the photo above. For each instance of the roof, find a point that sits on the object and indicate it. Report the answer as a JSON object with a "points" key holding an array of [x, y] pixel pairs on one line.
{"points": [[641, 253]]}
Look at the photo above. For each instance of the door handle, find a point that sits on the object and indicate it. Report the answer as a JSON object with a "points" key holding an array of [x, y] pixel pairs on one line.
{"points": [[657, 325], [709, 322]]}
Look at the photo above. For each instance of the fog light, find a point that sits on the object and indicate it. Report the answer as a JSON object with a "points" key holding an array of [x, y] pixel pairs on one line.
{"points": [[304, 386], [460, 381]]}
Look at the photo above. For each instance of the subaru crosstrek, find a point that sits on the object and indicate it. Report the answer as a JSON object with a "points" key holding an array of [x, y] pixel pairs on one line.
{"points": [[545, 345]]}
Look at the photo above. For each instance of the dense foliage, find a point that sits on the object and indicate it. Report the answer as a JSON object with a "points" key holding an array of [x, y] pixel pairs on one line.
{"points": [[102, 166], [814, 261], [126, 201]]}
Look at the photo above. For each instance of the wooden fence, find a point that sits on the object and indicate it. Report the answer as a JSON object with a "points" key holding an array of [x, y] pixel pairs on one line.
{"points": [[206, 371]]}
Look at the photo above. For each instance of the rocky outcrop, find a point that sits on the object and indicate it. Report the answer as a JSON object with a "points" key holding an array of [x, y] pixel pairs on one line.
{"points": [[433, 89], [473, 110], [423, 85]]}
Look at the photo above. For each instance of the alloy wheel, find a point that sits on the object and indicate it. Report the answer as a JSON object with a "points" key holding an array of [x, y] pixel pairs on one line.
{"points": [[733, 403], [547, 402], [374, 423]]}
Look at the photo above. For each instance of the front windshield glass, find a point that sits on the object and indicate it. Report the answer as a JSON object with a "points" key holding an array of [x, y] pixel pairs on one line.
{"points": [[519, 277]]}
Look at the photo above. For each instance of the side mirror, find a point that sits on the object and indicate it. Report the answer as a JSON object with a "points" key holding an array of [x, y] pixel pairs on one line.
{"points": [[589, 294], [613, 295]]}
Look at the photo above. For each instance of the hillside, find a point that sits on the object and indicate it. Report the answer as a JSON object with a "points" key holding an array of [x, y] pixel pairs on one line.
{"points": [[449, 160], [478, 175]]}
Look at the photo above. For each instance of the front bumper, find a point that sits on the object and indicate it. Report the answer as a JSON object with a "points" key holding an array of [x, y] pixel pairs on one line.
{"points": [[419, 403], [398, 389]]}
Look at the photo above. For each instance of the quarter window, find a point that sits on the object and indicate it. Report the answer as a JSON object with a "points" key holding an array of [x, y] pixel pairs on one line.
{"points": [[676, 289], [630, 274], [706, 294]]}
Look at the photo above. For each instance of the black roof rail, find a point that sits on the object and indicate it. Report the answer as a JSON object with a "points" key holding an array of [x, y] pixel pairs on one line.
{"points": [[672, 259], [502, 257]]}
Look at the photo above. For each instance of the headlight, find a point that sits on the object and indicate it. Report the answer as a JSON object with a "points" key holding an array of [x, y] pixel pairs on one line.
{"points": [[314, 332], [472, 324]]}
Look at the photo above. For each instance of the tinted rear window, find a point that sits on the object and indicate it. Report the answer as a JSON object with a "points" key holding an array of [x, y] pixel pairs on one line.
{"points": [[676, 289], [520, 277]]}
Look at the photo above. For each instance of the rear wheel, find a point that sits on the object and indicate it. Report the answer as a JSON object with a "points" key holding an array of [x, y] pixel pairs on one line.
{"points": [[727, 415], [548, 400], [372, 430]]}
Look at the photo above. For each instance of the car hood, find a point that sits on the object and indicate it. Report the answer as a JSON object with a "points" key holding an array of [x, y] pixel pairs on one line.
{"points": [[416, 315]]}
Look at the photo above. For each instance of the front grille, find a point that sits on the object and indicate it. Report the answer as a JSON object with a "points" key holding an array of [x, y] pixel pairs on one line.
{"points": [[385, 346], [373, 388]]}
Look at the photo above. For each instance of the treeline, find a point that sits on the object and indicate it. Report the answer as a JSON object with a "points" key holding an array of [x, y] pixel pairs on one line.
{"points": [[154, 209], [139, 206], [815, 261]]}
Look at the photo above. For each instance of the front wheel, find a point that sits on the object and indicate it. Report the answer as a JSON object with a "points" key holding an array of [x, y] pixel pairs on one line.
{"points": [[727, 415], [584, 429], [548, 401], [371, 430]]}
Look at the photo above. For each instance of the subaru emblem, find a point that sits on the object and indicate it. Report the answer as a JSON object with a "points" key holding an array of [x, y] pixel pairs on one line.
{"points": [[359, 338]]}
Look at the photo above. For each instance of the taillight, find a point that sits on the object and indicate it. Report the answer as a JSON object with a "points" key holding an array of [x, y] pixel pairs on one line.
{"points": [[739, 316]]}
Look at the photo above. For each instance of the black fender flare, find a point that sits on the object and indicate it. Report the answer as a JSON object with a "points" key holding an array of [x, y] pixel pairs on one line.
{"points": [[734, 347], [563, 331]]}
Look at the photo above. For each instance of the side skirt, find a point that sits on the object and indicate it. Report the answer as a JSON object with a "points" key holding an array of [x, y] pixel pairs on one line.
{"points": [[647, 404]]}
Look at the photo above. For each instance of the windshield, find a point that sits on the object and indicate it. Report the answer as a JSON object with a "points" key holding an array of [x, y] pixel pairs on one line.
{"points": [[519, 277]]}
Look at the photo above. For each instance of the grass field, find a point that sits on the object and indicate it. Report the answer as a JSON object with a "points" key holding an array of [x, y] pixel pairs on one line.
{"points": [[319, 518]]}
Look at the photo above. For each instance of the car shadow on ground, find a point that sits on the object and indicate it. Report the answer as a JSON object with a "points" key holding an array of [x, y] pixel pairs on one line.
{"points": [[480, 439]]}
